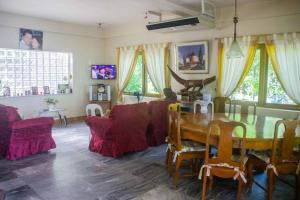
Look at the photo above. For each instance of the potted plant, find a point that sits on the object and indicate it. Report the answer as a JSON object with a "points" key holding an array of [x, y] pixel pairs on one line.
{"points": [[51, 102]]}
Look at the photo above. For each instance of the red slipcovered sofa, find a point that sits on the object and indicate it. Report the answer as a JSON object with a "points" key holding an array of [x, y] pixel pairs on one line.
{"points": [[124, 130], [21, 138], [129, 128], [158, 123]]}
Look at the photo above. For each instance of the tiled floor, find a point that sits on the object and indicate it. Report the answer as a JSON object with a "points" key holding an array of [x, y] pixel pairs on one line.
{"points": [[72, 172]]}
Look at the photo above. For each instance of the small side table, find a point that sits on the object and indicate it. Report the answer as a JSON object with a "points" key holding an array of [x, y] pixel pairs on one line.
{"points": [[55, 113]]}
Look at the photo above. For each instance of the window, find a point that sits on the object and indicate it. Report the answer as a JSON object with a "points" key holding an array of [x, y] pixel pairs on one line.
{"points": [[261, 84], [140, 80], [27, 72]]}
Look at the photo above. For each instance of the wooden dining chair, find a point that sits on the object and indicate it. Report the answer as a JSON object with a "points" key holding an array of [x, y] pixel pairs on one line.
{"points": [[225, 164], [219, 104], [284, 159], [169, 152], [182, 150], [244, 107], [206, 106]]}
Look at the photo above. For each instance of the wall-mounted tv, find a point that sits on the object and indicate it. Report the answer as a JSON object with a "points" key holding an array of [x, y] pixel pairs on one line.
{"points": [[106, 72]]}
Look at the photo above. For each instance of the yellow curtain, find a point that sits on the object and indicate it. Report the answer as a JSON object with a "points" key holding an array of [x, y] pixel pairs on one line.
{"points": [[146, 68], [167, 63], [220, 66], [129, 75], [249, 62], [271, 50], [167, 79]]}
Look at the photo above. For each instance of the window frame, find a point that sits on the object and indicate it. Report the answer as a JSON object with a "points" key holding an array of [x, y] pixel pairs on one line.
{"points": [[263, 83], [144, 80]]}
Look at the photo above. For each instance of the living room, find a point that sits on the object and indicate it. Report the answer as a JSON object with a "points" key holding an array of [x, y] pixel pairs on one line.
{"points": [[94, 33]]}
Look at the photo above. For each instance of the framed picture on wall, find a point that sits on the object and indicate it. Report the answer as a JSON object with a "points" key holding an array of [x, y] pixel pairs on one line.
{"points": [[192, 57], [30, 39]]}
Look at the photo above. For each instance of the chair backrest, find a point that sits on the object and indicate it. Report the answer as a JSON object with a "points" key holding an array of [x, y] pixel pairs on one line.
{"points": [[204, 104], [284, 151], [92, 108], [219, 104], [225, 130], [244, 107], [174, 125]]}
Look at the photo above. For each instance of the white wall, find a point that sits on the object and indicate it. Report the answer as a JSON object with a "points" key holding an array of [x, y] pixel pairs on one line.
{"points": [[264, 17], [255, 18], [90, 45], [84, 42]]}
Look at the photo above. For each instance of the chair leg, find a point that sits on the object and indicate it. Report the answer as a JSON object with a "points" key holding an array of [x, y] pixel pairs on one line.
{"points": [[270, 184], [210, 182], [196, 166], [240, 188], [177, 174], [249, 172], [169, 161], [204, 177], [167, 158], [298, 186]]}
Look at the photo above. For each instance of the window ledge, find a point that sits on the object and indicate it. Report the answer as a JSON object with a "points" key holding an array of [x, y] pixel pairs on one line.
{"points": [[40, 95]]}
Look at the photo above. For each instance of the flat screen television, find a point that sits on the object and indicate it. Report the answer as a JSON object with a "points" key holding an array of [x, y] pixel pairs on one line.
{"points": [[106, 72]]}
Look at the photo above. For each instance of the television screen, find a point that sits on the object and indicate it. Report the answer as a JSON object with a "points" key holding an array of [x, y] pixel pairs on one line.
{"points": [[103, 72]]}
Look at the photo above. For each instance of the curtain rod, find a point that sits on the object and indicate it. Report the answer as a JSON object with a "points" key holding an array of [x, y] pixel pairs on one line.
{"points": [[269, 34]]}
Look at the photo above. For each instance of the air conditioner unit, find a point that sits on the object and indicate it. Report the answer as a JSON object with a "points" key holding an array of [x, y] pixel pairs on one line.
{"points": [[183, 24], [206, 20]]}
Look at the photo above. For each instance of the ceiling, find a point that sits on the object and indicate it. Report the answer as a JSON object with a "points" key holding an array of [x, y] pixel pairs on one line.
{"points": [[108, 12]]}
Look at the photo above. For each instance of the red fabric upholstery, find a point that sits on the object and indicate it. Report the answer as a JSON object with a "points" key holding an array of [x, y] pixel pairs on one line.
{"points": [[21, 138], [158, 124], [124, 130], [8, 115]]}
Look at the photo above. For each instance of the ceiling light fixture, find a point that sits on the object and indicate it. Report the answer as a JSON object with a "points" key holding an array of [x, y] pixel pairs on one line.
{"points": [[235, 50]]}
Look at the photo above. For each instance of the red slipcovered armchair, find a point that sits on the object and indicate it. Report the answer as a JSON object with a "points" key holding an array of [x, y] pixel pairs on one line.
{"points": [[124, 130], [21, 138], [158, 123]]}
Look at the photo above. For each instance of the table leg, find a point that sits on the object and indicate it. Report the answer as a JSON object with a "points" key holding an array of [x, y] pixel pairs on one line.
{"points": [[65, 121], [60, 119]]}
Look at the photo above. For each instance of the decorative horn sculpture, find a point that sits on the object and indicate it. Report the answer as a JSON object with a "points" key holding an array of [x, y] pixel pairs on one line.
{"points": [[196, 85]]}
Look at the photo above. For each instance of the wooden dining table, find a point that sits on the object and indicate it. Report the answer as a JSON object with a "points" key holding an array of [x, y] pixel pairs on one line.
{"points": [[259, 133]]}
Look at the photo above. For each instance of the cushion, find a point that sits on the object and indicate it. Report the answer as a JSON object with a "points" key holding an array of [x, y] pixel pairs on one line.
{"points": [[189, 146]]}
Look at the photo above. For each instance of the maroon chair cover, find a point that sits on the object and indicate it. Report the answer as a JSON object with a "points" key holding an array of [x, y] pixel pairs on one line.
{"points": [[158, 123], [21, 138], [124, 130]]}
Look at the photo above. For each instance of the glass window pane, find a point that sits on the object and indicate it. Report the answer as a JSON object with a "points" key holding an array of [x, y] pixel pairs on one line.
{"points": [[249, 89], [136, 82], [22, 69], [275, 93]]}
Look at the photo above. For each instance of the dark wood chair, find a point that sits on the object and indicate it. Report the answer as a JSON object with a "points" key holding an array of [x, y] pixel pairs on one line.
{"points": [[220, 102], [181, 150], [284, 159], [224, 164], [244, 107]]}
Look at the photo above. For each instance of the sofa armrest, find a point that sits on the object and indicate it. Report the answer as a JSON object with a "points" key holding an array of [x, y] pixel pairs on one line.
{"points": [[99, 125], [28, 123]]}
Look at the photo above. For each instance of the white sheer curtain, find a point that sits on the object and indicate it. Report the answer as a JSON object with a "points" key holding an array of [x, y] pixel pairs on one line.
{"points": [[232, 68], [288, 68], [126, 65], [155, 62]]}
